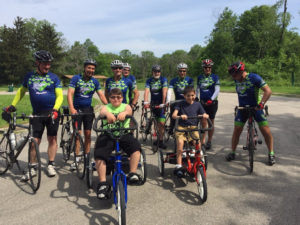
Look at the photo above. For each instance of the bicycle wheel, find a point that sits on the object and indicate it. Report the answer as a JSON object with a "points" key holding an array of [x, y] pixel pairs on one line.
{"points": [[167, 128], [65, 141], [4, 154], [250, 147], [154, 137], [121, 204], [204, 157], [79, 157], [142, 166], [161, 165], [34, 165], [143, 127], [201, 184], [89, 170]]}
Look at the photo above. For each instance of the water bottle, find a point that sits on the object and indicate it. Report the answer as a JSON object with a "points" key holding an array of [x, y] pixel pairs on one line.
{"points": [[12, 138], [20, 142]]}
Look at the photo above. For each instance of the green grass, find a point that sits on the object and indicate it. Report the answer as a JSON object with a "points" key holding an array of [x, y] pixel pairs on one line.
{"points": [[24, 106]]}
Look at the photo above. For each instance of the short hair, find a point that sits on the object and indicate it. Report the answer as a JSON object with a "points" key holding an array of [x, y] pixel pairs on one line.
{"points": [[115, 91], [188, 89]]}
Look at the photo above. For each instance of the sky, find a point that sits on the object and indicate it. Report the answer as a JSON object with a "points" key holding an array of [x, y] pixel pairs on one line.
{"points": [[160, 26]]}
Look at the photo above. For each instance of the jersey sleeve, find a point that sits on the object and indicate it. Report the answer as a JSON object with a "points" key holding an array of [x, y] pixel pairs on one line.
{"points": [[172, 82], [97, 85], [217, 81], [25, 81], [258, 81], [164, 83], [73, 82], [57, 82]]}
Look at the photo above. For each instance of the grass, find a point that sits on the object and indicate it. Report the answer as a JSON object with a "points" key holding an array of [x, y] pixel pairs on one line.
{"points": [[24, 106]]}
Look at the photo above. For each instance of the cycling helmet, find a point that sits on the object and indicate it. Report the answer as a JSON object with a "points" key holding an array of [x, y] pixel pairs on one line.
{"points": [[116, 63], [90, 62], [182, 66], [126, 65], [156, 68], [236, 67], [43, 56], [207, 63]]}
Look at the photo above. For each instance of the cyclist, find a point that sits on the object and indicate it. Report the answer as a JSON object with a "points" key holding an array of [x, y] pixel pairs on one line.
{"points": [[208, 86], [80, 94], [157, 85], [117, 81], [185, 109], [105, 145], [177, 86], [247, 88], [133, 95], [46, 97]]}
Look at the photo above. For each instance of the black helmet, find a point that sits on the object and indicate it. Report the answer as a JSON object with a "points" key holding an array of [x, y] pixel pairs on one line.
{"points": [[156, 68], [90, 62], [43, 56]]}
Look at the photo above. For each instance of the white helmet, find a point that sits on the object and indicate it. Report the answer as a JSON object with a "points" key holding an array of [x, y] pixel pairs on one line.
{"points": [[116, 63], [126, 65], [182, 66]]}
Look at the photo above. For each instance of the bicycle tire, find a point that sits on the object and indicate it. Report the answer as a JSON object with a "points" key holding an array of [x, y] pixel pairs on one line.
{"points": [[4, 155], [80, 160], [250, 147], [142, 166], [143, 127], [201, 184], [154, 137], [121, 204], [34, 165], [167, 128], [65, 140], [204, 158], [89, 170], [161, 166]]}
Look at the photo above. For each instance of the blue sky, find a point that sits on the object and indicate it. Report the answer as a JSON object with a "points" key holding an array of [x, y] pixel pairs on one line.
{"points": [[161, 26]]}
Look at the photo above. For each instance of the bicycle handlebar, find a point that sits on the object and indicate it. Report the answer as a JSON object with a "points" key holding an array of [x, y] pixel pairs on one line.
{"points": [[253, 108], [210, 125], [111, 130]]}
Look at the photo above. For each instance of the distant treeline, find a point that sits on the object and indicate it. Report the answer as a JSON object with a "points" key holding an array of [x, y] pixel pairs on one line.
{"points": [[259, 37]]}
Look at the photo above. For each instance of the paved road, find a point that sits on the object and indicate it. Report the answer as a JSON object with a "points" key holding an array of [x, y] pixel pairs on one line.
{"points": [[271, 195]]}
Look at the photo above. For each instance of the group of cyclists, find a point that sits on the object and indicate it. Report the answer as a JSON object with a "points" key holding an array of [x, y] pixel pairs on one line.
{"points": [[120, 97]]}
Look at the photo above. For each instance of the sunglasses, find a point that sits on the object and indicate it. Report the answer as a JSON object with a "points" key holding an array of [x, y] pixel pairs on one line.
{"points": [[117, 68], [207, 67], [115, 97], [156, 71], [182, 71], [126, 69]]}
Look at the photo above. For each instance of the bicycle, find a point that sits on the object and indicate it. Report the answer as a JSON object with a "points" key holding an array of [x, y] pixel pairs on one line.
{"points": [[114, 165], [252, 135], [72, 141], [10, 150], [194, 161], [144, 126]]}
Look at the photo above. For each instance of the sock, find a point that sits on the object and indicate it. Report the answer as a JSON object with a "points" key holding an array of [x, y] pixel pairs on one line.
{"points": [[178, 166], [51, 163], [271, 152]]}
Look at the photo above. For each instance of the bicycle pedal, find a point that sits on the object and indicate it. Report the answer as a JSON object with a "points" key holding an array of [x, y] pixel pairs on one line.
{"points": [[245, 148]]}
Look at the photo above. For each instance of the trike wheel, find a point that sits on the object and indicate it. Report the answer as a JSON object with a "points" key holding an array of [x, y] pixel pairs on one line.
{"points": [[121, 204], [201, 184], [142, 167], [204, 157], [161, 166]]}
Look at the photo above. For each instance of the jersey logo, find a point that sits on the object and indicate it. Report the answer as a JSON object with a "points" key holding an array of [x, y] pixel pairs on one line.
{"points": [[39, 84]]}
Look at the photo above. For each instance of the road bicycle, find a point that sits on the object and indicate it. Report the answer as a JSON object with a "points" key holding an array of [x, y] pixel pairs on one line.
{"points": [[114, 165], [193, 158], [11, 148], [252, 135]]}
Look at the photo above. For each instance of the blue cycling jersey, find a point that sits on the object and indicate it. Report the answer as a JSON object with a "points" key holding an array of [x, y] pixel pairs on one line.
{"points": [[125, 85], [41, 90], [84, 90], [207, 85], [248, 90], [178, 84], [133, 80], [156, 88]]}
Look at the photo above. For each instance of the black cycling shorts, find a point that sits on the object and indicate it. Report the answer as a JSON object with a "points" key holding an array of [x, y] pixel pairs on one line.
{"points": [[87, 120], [39, 124], [212, 109], [105, 145]]}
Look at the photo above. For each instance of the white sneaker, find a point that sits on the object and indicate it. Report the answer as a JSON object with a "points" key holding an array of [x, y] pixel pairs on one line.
{"points": [[73, 166], [51, 171], [26, 176]]}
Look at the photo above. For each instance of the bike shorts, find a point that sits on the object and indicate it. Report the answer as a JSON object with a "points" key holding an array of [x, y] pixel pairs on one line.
{"points": [[212, 109], [39, 124], [87, 120], [181, 135], [242, 117], [105, 145], [159, 115]]}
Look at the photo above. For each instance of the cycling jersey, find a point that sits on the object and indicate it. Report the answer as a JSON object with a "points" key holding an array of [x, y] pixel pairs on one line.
{"points": [[133, 80], [156, 88], [248, 90], [207, 85], [84, 90], [125, 85], [178, 84], [42, 90]]}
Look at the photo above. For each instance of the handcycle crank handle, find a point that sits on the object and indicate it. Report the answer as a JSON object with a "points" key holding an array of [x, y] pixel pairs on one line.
{"points": [[95, 128]]}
